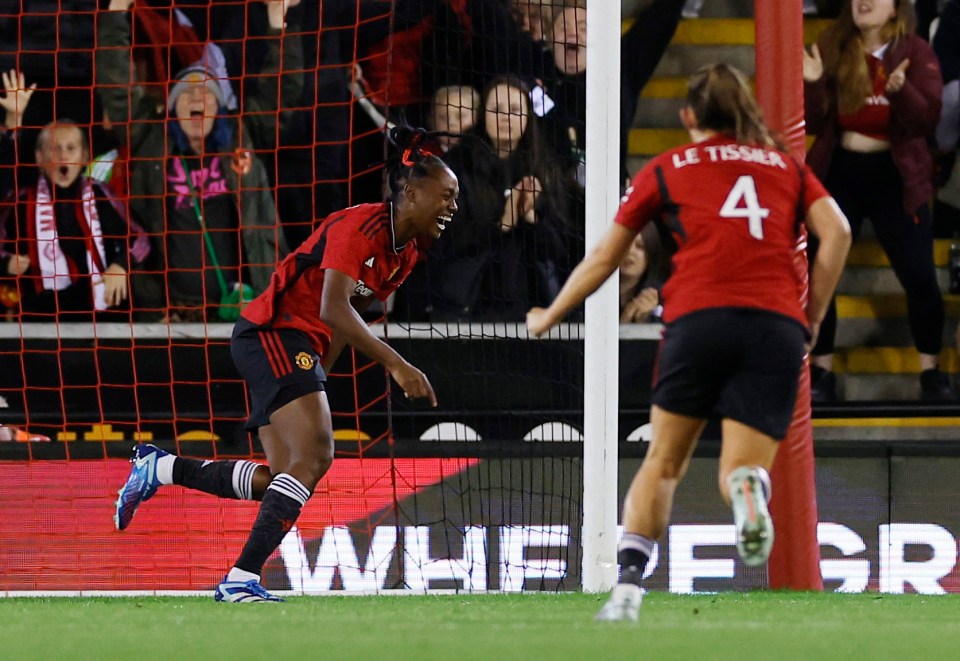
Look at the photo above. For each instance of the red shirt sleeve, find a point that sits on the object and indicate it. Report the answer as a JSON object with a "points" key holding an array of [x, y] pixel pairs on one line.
{"points": [[641, 203], [345, 250], [813, 189]]}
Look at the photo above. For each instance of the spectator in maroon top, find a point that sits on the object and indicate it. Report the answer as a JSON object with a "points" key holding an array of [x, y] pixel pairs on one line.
{"points": [[873, 98]]}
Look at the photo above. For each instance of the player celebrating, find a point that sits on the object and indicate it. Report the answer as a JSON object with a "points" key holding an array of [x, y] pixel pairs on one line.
{"points": [[736, 329], [287, 339]]}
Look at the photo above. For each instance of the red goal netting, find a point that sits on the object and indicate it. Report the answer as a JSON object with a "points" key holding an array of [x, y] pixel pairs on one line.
{"points": [[110, 128]]}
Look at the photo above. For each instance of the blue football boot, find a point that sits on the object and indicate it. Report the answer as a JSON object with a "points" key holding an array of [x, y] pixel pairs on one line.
{"points": [[141, 484], [243, 592]]}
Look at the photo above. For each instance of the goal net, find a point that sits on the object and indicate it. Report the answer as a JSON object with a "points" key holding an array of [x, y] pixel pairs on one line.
{"points": [[481, 493]]}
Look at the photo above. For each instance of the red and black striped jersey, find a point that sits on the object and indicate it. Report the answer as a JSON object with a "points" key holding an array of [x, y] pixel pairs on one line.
{"points": [[735, 212], [358, 242]]}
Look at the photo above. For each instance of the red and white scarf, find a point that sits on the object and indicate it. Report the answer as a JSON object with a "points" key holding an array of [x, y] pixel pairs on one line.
{"points": [[55, 272]]}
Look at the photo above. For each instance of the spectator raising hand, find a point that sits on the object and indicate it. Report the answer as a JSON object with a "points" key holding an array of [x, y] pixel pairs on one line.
{"points": [[897, 78], [16, 97], [812, 64], [82, 268], [277, 12]]}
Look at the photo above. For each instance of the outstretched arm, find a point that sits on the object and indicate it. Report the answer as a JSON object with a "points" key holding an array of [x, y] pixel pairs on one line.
{"points": [[592, 272], [346, 324], [122, 100], [279, 83]]}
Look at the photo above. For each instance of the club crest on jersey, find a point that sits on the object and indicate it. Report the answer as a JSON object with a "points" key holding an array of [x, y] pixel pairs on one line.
{"points": [[362, 290], [304, 360]]}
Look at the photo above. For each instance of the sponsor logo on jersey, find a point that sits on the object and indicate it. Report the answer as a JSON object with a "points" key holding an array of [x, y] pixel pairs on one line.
{"points": [[362, 290], [369, 262], [877, 100]]}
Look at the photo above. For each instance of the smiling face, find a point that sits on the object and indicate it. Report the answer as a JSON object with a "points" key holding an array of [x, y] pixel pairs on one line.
{"points": [[570, 41], [872, 14], [61, 153], [506, 114], [432, 201], [196, 109]]}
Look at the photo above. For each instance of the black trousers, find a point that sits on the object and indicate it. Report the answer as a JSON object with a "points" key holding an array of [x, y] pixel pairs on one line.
{"points": [[870, 186]]}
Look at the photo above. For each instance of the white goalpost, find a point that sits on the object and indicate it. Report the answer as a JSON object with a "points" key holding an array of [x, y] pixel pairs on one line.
{"points": [[601, 337]]}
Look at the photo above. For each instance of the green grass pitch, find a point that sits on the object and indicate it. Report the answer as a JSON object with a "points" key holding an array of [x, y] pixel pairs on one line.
{"points": [[515, 626]]}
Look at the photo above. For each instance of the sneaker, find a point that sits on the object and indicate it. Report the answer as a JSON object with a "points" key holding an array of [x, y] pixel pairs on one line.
{"points": [[243, 592], [750, 515], [141, 484], [935, 386], [623, 604], [823, 385]]}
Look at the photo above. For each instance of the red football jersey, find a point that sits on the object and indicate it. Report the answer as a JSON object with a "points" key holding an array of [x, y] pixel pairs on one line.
{"points": [[733, 210], [873, 117], [358, 242]]}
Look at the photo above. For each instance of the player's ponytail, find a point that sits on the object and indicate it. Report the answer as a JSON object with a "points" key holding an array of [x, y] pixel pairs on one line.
{"points": [[413, 159], [721, 100]]}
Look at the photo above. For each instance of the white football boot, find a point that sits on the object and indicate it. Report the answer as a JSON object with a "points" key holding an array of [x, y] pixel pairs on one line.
{"points": [[623, 605], [748, 487]]}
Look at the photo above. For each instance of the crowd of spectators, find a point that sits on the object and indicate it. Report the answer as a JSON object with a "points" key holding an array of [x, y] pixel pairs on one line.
{"points": [[201, 139], [182, 147]]}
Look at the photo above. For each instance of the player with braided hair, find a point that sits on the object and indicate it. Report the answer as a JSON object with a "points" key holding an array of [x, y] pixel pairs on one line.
{"points": [[286, 340]]}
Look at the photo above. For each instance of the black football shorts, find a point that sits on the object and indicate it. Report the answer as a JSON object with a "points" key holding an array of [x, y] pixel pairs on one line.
{"points": [[738, 363], [278, 364]]}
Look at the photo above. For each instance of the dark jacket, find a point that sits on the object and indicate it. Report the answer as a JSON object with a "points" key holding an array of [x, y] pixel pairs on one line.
{"points": [[914, 113], [480, 272]]}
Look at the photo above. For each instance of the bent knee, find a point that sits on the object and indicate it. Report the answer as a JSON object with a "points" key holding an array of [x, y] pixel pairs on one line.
{"points": [[315, 467], [310, 469], [665, 466]]}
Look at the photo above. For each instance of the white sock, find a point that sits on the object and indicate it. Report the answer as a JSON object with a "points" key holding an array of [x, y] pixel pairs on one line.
{"points": [[243, 472], [242, 576], [165, 469]]}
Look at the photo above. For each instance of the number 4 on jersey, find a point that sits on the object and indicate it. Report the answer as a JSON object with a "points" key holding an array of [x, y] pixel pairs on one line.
{"points": [[742, 202]]}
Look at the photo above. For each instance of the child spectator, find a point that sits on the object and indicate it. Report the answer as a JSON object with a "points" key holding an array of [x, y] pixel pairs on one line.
{"points": [[66, 236]]}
